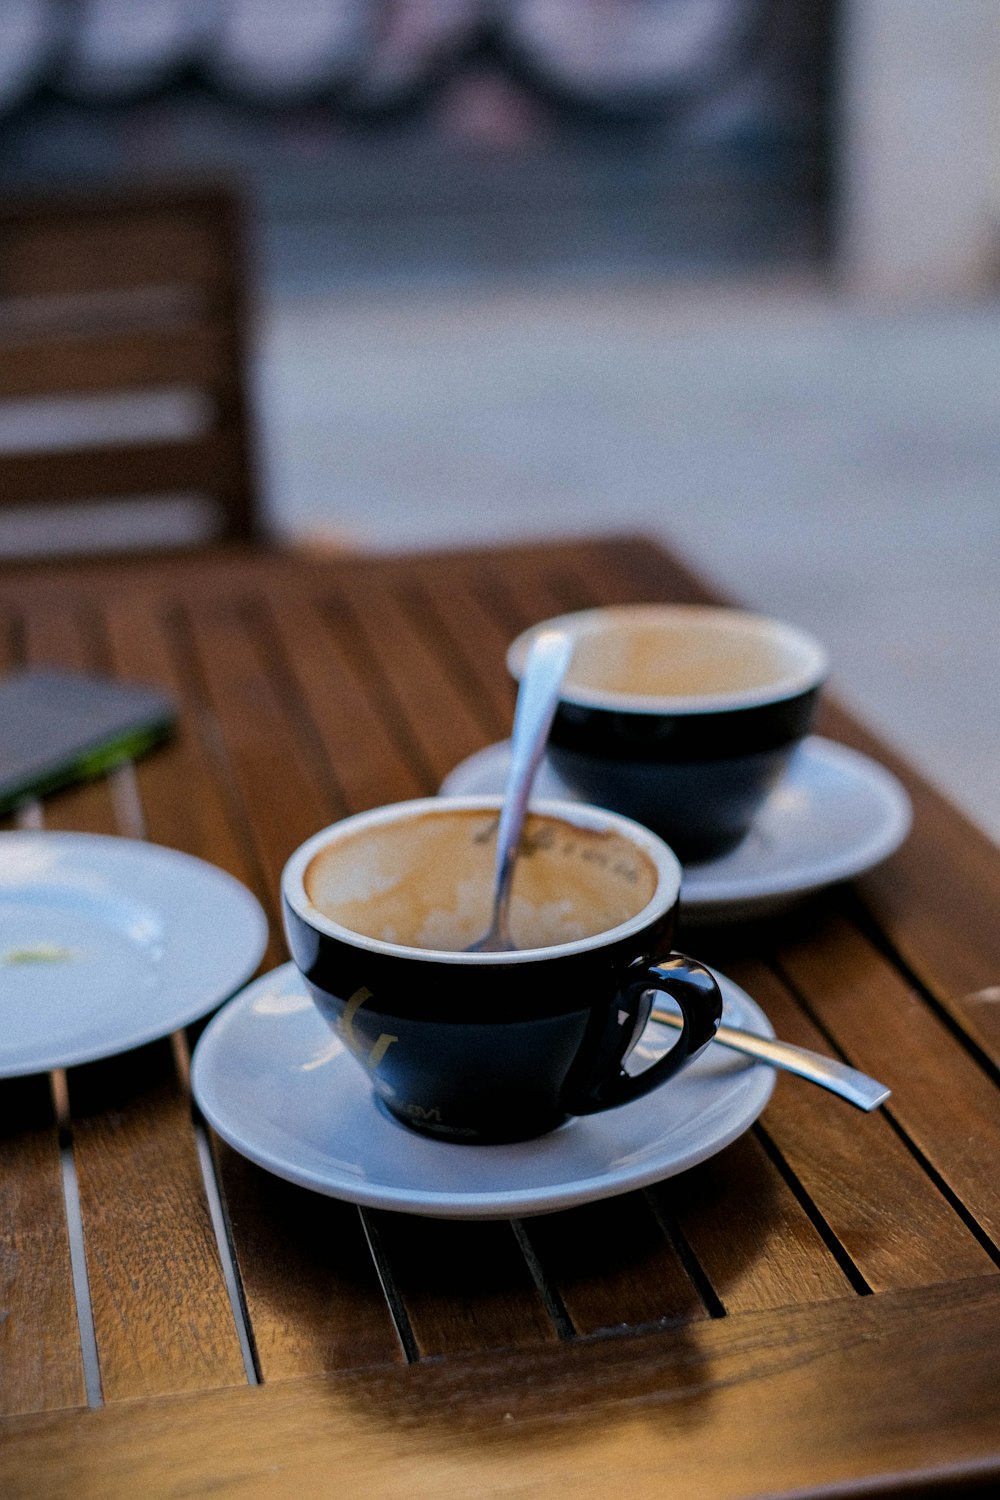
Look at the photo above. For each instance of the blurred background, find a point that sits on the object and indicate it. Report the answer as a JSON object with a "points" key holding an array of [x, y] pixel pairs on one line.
{"points": [[724, 272]]}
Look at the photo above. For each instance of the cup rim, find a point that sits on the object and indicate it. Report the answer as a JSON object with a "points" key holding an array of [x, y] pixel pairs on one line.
{"points": [[810, 672], [665, 896]]}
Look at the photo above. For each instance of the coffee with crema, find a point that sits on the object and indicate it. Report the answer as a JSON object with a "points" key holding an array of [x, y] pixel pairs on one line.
{"points": [[682, 653], [427, 882], [655, 663]]}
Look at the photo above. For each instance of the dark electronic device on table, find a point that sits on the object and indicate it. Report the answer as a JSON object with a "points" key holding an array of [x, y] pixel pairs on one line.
{"points": [[59, 727]]}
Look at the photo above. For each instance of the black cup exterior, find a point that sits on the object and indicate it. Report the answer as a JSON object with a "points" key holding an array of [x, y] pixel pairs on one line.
{"points": [[696, 779], [476, 1052]]}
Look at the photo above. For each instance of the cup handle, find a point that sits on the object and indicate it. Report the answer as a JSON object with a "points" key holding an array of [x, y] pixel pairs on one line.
{"points": [[694, 989]]}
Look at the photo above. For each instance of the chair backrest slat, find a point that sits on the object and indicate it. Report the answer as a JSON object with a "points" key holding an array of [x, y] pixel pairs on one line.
{"points": [[127, 361], [122, 352]]}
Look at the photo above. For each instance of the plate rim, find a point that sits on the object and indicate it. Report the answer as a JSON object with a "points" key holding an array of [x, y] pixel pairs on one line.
{"points": [[253, 947], [513, 1203]]}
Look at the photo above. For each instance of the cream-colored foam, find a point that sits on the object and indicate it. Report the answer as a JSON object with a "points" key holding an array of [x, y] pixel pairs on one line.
{"points": [[427, 881], [676, 660]]}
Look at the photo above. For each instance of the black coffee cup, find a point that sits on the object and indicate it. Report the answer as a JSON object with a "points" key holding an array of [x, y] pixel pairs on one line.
{"points": [[683, 717], [380, 909]]}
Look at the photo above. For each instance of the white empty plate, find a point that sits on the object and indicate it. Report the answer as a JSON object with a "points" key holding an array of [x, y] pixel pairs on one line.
{"points": [[107, 943]]}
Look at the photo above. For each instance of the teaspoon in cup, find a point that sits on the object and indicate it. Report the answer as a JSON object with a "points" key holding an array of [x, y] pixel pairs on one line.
{"points": [[857, 1088], [537, 697]]}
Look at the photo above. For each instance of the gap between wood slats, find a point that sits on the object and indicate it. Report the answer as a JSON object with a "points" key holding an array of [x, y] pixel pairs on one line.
{"points": [[714, 1305], [553, 1303], [394, 1302], [440, 717], [513, 606], [77, 1250], [217, 1214], [948, 1193], [813, 1213]]}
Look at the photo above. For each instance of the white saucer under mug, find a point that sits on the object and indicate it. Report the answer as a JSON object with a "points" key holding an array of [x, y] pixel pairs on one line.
{"points": [[276, 1083], [835, 814]]}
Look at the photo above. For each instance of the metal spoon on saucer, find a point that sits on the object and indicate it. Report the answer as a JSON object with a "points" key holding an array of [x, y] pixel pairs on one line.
{"points": [[857, 1088], [541, 678]]}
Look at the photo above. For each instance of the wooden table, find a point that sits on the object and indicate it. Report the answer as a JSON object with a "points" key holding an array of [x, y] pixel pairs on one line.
{"points": [[814, 1311]]}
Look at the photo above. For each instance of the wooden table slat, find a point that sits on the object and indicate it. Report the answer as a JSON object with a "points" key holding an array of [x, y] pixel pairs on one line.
{"points": [[40, 1359], [162, 1315]]}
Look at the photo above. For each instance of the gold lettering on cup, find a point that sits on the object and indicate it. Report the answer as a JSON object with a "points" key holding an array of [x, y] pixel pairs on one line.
{"points": [[380, 1047]]}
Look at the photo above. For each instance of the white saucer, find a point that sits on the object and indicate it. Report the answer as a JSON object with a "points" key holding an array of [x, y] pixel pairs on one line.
{"points": [[278, 1085], [107, 943], [835, 813]]}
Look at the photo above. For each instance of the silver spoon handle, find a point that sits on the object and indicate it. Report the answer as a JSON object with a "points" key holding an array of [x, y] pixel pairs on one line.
{"points": [[541, 679], [857, 1088]]}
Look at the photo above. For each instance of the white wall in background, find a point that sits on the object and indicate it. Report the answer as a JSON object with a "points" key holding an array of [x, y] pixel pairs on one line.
{"points": [[918, 138]]}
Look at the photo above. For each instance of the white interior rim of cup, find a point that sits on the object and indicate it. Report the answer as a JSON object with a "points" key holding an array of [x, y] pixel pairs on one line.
{"points": [[582, 814], [811, 667]]}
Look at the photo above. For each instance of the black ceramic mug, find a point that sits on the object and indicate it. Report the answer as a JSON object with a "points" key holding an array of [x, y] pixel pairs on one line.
{"points": [[379, 911], [681, 716]]}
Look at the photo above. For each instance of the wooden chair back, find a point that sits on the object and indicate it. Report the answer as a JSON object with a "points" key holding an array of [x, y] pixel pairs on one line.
{"points": [[123, 408]]}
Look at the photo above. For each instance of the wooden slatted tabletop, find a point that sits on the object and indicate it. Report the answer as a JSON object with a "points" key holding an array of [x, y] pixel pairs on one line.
{"points": [[816, 1310]]}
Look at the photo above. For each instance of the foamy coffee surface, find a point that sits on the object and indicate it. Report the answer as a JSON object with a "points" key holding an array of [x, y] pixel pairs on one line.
{"points": [[427, 881], [676, 660]]}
